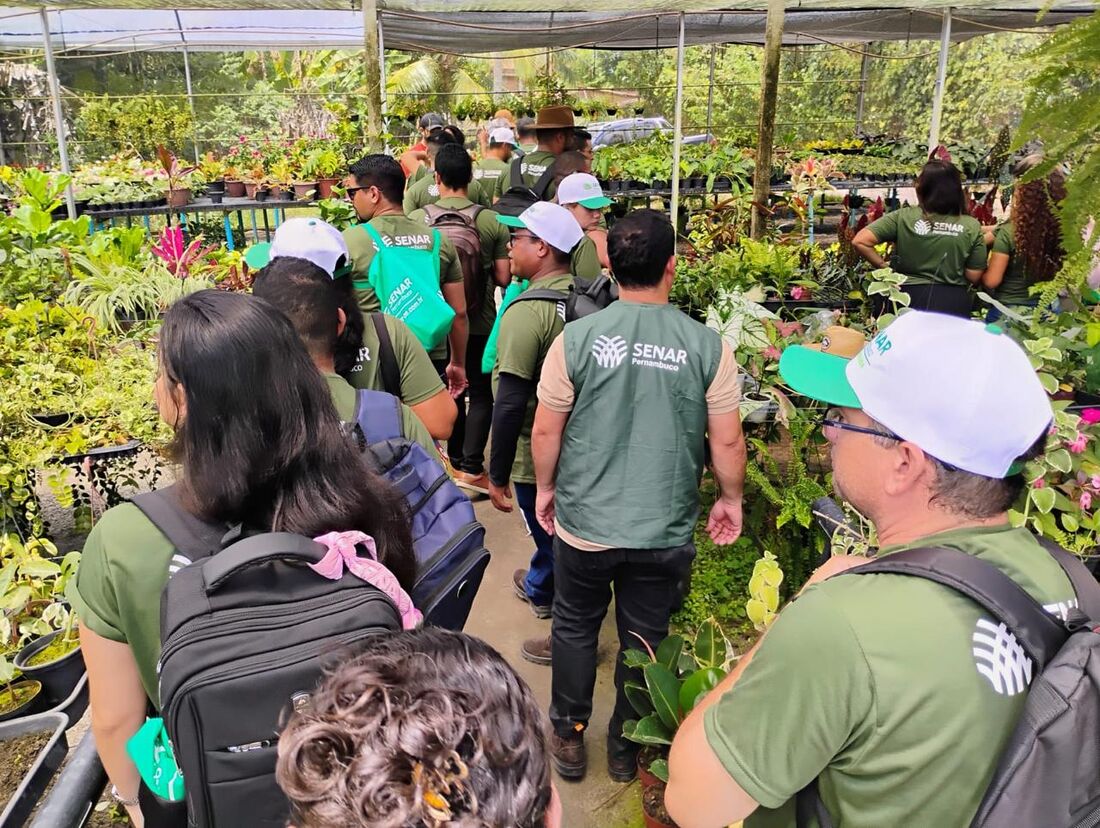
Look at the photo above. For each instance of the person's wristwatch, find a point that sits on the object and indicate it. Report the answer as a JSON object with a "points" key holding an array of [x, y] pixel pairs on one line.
{"points": [[121, 800]]}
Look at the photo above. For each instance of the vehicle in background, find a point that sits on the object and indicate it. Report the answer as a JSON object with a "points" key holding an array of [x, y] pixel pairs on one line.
{"points": [[628, 130]]}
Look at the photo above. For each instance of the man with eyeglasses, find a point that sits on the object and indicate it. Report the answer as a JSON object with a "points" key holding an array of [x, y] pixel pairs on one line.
{"points": [[890, 691], [542, 236]]}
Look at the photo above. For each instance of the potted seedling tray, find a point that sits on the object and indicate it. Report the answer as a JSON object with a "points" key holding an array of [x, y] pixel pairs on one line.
{"points": [[31, 751]]}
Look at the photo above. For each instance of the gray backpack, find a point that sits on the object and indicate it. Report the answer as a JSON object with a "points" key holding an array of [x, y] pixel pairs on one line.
{"points": [[1049, 772]]}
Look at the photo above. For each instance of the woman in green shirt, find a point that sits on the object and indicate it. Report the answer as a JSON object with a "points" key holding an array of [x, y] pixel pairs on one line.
{"points": [[258, 443], [937, 246], [1028, 247]]}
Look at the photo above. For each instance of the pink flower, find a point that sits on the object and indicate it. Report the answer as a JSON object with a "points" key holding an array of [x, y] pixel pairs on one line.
{"points": [[799, 292], [1090, 415], [787, 328], [771, 352], [1085, 501], [1039, 484], [1079, 444]]}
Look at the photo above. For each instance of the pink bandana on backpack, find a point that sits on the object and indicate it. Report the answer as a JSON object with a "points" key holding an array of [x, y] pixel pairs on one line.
{"points": [[342, 553]]}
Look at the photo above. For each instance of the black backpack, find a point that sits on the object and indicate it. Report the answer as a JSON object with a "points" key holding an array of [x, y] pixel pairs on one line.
{"points": [[246, 632], [1049, 771], [518, 197], [582, 299]]}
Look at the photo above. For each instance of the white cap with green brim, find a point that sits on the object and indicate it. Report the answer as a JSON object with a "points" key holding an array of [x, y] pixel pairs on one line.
{"points": [[584, 189], [303, 238], [550, 222], [963, 391]]}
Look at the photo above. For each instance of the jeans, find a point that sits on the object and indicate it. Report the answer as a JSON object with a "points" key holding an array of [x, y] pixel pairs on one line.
{"points": [[540, 573], [648, 584]]}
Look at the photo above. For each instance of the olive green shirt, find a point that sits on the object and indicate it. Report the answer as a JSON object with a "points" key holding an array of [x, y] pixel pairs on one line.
{"points": [[526, 331], [893, 689], [426, 191], [1013, 288], [585, 261], [487, 171], [419, 379], [343, 397], [398, 231], [494, 247], [931, 249], [533, 165]]}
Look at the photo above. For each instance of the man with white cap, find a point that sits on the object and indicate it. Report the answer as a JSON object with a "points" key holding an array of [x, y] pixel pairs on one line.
{"points": [[496, 158], [581, 194], [895, 693], [387, 356], [542, 236]]}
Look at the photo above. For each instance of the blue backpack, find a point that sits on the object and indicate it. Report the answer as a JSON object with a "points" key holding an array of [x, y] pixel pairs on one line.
{"points": [[448, 540]]}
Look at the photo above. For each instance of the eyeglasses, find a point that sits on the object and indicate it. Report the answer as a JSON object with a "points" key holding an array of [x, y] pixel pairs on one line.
{"points": [[518, 236], [831, 419]]}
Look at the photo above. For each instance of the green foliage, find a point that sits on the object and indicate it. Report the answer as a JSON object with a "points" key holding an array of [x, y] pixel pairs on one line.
{"points": [[142, 122]]}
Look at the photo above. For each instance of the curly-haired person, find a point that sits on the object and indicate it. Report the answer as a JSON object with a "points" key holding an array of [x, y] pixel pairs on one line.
{"points": [[427, 729]]}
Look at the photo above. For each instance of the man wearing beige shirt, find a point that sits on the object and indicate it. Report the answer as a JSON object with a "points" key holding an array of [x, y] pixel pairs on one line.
{"points": [[629, 398]]}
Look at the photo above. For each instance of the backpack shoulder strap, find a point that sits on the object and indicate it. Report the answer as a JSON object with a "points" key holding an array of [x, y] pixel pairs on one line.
{"points": [[546, 294], [378, 416], [515, 174], [189, 536], [387, 358], [432, 212], [374, 234], [1039, 633], [471, 213], [543, 184], [1084, 584]]}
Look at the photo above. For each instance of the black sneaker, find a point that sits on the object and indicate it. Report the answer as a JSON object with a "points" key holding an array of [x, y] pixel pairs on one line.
{"points": [[622, 769], [569, 756]]}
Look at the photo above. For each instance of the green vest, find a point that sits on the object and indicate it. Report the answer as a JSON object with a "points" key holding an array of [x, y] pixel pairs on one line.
{"points": [[632, 450]]}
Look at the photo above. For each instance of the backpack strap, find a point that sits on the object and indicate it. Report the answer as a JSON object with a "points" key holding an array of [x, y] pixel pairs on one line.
{"points": [[1039, 633], [387, 357], [472, 212], [432, 212], [547, 294], [1084, 583], [543, 184], [378, 416], [190, 536], [376, 237], [515, 174]]}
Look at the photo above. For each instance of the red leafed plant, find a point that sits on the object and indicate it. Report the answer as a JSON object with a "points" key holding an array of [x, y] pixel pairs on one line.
{"points": [[173, 169], [181, 258], [983, 210]]}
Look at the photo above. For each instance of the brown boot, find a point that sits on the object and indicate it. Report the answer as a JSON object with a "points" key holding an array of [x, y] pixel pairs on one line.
{"points": [[569, 756], [537, 650]]}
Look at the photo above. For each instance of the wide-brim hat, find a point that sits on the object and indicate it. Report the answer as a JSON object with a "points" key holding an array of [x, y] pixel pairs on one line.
{"points": [[555, 117]]}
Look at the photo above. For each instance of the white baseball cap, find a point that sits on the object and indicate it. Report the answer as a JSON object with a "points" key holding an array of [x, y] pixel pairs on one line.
{"points": [[963, 391], [303, 238], [584, 189], [550, 222], [502, 135]]}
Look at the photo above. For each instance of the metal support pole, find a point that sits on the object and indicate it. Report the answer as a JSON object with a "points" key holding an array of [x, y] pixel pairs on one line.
{"points": [[190, 95], [864, 66], [58, 115], [678, 125], [373, 79], [710, 89], [382, 68], [941, 79], [769, 94]]}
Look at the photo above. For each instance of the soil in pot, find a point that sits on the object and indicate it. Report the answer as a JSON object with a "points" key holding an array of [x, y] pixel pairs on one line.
{"points": [[19, 699], [16, 757], [234, 189], [653, 808], [55, 662], [54, 651]]}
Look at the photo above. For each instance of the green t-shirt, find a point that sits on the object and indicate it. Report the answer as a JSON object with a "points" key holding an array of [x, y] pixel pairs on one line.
{"points": [[526, 331], [931, 249], [419, 379], [488, 171], [888, 687], [494, 246], [343, 397], [532, 167], [426, 191], [1013, 288], [402, 232], [423, 171], [585, 261]]}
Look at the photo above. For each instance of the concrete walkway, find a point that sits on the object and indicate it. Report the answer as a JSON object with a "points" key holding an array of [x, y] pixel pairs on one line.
{"points": [[500, 618]]}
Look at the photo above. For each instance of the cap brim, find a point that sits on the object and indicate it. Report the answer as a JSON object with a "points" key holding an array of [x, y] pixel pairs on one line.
{"points": [[595, 203], [258, 255], [511, 221], [818, 376]]}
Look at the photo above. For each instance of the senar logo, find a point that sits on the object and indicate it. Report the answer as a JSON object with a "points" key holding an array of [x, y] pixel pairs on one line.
{"points": [[922, 227], [609, 351]]}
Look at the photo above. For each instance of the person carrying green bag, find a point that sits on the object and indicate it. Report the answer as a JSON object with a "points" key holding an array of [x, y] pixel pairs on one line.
{"points": [[489, 359], [406, 269]]}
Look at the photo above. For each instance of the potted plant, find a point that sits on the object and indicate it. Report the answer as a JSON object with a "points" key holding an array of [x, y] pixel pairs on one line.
{"points": [[255, 179], [179, 178], [282, 175], [212, 170], [676, 677], [323, 164], [54, 660], [17, 698]]}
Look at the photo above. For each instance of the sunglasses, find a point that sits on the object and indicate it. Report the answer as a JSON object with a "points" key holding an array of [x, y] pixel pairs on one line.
{"points": [[351, 191]]}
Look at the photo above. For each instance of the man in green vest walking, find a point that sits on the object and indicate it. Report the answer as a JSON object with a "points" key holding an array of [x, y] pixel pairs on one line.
{"points": [[628, 401]]}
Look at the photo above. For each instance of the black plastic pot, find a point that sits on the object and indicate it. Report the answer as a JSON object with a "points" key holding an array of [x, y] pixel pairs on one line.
{"points": [[635, 184], [74, 706], [261, 195], [215, 187], [216, 197], [33, 705], [697, 182], [41, 771], [659, 184], [52, 420], [723, 184], [59, 678]]}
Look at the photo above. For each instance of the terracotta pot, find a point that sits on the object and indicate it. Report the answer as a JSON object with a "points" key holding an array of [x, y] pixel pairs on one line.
{"points": [[234, 189], [324, 187], [304, 190], [280, 194], [180, 197], [653, 799], [647, 779], [250, 190]]}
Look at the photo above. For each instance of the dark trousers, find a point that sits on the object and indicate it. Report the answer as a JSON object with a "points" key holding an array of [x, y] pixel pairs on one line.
{"points": [[540, 573], [955, 300], [647, 585], [466, 445]]}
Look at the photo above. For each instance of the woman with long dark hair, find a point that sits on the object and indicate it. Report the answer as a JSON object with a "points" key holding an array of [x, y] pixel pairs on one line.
{"points": [[258, 443], [937, 246], [1027, 248]]}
